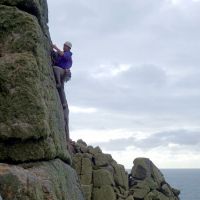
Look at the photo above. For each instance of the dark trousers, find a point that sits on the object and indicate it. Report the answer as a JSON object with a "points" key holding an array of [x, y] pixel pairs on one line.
{"points": [[61, 77]]}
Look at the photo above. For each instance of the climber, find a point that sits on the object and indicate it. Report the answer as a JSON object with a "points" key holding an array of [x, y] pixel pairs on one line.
{"points": [[62, 62]]}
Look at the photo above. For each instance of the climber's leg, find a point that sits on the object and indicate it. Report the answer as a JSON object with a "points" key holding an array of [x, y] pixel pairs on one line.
{"points": [[64, 78], [62, 96], [57, 73]]}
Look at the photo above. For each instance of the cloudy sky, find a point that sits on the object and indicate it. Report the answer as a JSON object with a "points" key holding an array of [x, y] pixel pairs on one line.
{"points": [[135, 88]]}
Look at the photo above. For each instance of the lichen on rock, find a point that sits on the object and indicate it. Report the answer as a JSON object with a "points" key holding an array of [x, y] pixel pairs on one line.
{"points": [[53, 180], [30, 107], [34, 160]]}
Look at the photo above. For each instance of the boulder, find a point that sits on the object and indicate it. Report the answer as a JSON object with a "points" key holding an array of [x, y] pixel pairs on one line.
{"points": [[101, 159], [81, 142], [38, 181], [141, 191], [81, 146], [86, 166], [175, 191], [157, 195], [120, 175], [120, 192], [144, 168], [166, 189], [87, 191], [86, 179], [148, 183], [130, 198], [105, 192], [94, 150], [102, 177], [77, 163], [83, 167]]}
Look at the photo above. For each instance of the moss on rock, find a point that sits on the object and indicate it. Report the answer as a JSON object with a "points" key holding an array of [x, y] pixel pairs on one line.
{"points": [[31, 113], [53, 180]]}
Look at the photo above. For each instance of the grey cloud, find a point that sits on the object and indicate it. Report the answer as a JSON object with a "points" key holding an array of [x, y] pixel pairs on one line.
{"points": [[180, 137], [161, 89], [143, 89], [103, 15], [145, 75]]}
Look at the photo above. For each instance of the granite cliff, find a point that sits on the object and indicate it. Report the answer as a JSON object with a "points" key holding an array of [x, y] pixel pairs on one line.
{"points": [[35, 163]]}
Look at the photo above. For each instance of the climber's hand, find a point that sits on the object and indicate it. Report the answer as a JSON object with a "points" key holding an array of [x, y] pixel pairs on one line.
{"points": [[54, 46]]}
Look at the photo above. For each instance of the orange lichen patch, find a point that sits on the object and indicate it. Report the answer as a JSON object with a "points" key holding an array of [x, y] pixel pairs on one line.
{"points": [[8, 193], [4, 168]]}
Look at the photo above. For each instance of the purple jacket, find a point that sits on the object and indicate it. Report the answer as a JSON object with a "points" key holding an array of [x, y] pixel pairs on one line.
{"points": [[64, 61]]}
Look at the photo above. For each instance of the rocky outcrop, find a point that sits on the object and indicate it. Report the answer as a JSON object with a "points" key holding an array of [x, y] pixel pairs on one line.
{"points": [[147, 182], [102, 178], [35, 162]]}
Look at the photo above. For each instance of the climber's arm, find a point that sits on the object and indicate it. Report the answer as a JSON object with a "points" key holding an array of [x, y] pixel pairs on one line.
{"points": [[61, 53]]}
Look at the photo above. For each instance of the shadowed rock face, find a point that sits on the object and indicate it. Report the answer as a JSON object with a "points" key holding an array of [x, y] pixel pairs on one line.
{"points": [[32, 125], [38, 8]]}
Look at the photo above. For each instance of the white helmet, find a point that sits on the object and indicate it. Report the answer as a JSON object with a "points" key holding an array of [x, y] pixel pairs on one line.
{"points": [[69, 44]]}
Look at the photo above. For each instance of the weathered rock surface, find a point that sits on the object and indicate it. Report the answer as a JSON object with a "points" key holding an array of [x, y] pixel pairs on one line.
{"points": [[34, 160], [104, 193], [110, 181], [37, 8], [53, 180], [101, 177], [148, 183], [32, 126]]}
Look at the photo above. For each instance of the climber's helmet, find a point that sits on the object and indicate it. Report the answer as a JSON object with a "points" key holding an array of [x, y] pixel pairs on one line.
{"points": [[68, 44]]}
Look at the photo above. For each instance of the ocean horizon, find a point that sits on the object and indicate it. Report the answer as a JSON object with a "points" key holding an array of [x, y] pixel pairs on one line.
{"points": [[185, 180]]}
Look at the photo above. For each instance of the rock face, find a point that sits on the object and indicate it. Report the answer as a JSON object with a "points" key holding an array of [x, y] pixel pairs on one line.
{"points": [[103, 179], [32, 124], [30, 109], [147, 182], [100, 176], [43, 180]]}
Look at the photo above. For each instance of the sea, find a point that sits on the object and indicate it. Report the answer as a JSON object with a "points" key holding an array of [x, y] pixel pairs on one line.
{"points": [[186, 180]]}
